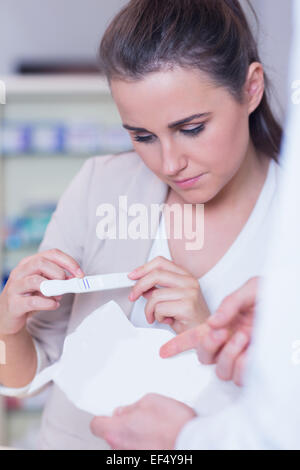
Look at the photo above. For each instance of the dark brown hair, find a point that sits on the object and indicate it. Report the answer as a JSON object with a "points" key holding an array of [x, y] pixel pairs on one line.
{"points": [[211, 35]]}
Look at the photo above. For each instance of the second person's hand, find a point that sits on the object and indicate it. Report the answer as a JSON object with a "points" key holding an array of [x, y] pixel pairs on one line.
{"points": [[224, 338]]}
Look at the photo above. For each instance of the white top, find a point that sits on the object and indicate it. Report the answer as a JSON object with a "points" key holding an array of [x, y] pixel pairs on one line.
{"points": [[243, 260]]}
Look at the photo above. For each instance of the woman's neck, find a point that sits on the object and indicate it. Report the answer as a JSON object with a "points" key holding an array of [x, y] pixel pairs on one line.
{"points": [[246, 185], [247, 182]]}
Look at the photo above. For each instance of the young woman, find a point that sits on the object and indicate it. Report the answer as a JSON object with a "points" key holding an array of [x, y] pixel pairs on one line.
{"points": [[190, 88]]}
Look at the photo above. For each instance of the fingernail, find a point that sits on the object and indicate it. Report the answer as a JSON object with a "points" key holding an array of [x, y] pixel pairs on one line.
{"points": [[79, 272]]}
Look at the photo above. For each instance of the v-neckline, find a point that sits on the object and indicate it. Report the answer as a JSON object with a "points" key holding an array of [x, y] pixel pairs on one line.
{"points": [[254, 220]]}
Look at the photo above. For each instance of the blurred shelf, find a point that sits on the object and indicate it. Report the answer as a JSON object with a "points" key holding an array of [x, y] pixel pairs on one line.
{"points": [[23, 250], [55, 84], [59, 156], [45, 157], [29, 176]]}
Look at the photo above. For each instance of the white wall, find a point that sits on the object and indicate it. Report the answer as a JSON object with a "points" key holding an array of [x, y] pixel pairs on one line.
{"points": [[52, 29], [56, 29], [274, 37]]}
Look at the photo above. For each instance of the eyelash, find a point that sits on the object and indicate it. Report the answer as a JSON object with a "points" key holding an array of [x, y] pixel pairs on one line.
{"points": [[191, 133]]}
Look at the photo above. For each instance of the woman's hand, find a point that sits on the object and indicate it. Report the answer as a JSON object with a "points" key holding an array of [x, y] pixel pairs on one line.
{"points": [[21, 296], [154, 423], [224, 338], [178, 303]]}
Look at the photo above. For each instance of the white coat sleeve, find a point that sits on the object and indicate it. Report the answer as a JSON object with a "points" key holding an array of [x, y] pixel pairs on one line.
{"points": [[268, 414]]}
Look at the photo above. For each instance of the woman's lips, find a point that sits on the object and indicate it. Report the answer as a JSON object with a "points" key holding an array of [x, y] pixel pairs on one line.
{"points": [[188, 183]]}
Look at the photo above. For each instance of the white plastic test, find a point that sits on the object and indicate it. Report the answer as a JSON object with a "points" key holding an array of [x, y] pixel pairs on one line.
{"points": [[86, 284]]}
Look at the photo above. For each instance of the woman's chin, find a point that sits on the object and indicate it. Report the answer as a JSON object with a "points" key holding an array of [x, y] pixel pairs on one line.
{"points": [[197, 196]]}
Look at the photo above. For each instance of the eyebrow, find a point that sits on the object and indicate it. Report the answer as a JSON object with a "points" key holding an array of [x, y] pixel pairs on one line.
{"points": [[170, 126]]}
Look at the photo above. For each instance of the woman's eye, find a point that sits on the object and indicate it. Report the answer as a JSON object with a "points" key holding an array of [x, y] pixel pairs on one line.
{"points": [[195, 131], [146, 139]]}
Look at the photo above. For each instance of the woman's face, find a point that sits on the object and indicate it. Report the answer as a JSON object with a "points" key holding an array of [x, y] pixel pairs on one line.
{"points": [[183, 127]]}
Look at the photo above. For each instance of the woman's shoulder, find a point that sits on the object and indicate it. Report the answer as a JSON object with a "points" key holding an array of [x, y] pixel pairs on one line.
{"points": [[125, 161], [110, 175]]}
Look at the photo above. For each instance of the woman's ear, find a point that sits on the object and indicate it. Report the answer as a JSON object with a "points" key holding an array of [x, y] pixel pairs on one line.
{"points": [[255, 86]]}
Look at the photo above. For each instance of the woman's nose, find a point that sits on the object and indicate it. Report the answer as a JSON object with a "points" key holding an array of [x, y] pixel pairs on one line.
{"points": [[173, 161]]}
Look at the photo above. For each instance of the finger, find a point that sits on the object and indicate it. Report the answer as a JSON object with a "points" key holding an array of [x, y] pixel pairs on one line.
{"points": [[112, 429], [40, 265], [148, 294], [159, 262], [229, 355], [168, 321], [65, 261], [54, 297], [61, 259], [121, 410], [173, 309], [159, 278], [241, 300], [25, 304], [210, 345], [183, 342], [239, 369], [161, 295], [101, 425], [28, 284]]}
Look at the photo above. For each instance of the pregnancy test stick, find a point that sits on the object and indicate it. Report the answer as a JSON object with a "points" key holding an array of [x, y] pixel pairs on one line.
{"points": [[86, 284]]}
